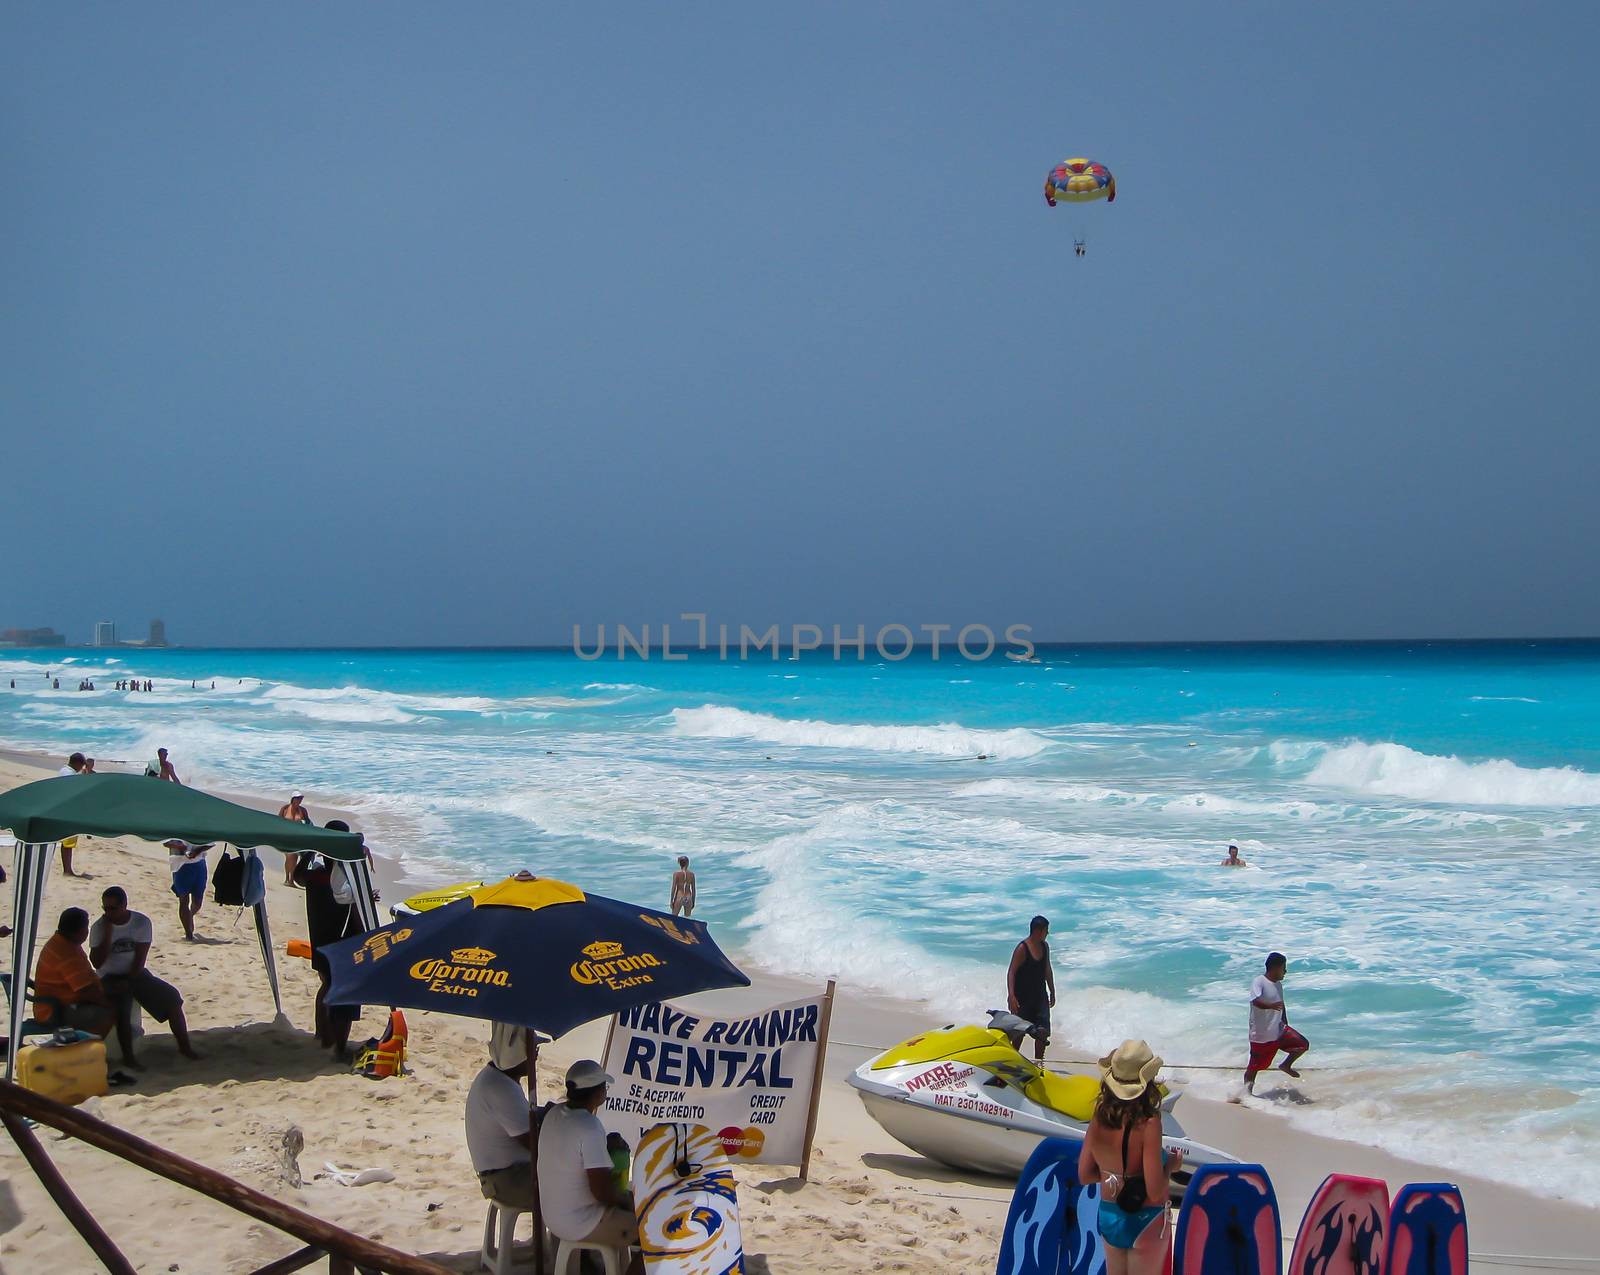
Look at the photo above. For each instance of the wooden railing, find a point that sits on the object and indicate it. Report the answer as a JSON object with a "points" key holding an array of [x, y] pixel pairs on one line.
{"points": [[347, 1253]]}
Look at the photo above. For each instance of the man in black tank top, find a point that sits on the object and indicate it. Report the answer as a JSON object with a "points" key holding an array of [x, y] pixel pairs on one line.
{"points": [[1030, 984]]}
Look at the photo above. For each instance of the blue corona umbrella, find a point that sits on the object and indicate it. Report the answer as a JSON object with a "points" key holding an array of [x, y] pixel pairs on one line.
{"points": [[532, 951]]}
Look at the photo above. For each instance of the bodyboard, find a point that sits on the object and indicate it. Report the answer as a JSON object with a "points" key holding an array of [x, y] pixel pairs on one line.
{"points": [[1050, 1226], [1228, 1224], [688, 1221], [1428, 1231], [1345, 1229]]}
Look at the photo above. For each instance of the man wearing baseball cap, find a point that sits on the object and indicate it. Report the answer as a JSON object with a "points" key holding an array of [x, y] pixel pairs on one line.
{"points": [[577, 1192]]}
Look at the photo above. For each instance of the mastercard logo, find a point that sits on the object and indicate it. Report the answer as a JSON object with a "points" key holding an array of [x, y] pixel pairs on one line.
{"points": [[745, 1143]]}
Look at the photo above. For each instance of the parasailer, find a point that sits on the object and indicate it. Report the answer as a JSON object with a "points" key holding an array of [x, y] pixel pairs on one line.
{"points": [[1079, 181]]}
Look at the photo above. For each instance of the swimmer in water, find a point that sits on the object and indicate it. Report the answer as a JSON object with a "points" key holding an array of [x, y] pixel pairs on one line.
{"points": [[1233, 860]]}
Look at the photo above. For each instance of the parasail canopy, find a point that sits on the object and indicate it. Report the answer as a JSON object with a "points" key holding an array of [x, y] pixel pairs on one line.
{"points": [[1079, 181]]}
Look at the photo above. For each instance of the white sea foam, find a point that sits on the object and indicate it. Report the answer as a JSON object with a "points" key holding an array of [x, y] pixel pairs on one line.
{"points": [[944, 740], [337, 711], [287, 692], [1393, 770], [1215, 804], [1052, 790]]}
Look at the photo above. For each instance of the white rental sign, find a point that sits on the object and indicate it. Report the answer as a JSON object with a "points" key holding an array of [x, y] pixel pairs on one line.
{"points": [[751, 1080]]}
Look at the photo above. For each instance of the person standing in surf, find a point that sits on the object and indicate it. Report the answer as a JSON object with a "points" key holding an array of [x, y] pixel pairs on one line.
{"points": [[683, 888], [1031, 985], [1269, 1024]]}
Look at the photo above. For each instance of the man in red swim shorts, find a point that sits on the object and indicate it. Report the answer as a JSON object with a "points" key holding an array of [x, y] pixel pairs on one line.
{"points": [[1269, 1024]]}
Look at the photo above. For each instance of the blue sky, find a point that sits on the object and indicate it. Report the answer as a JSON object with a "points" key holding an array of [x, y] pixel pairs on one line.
{"points": [[423, 324]]}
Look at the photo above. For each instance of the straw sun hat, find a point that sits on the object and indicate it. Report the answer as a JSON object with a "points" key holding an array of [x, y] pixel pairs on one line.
{"points": [[1129, 1068]]}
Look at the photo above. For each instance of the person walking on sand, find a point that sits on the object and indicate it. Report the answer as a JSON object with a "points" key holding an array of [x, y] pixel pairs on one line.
{"points": [[1122, 1151], [160, 768], [299, 814], [1233, 860], [188, 864], [77, 764], [1269, 1024], [683, 888], [1031, 984]]}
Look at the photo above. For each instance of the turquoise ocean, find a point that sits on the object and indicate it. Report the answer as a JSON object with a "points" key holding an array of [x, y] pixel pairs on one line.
{"points": [[1422, 822]]}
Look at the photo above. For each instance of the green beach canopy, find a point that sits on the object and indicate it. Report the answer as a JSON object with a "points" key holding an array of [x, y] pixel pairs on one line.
{"points": [[134, 806], [47, 811]]}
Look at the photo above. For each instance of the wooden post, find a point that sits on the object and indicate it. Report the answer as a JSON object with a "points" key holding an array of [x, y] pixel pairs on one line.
{"points": [[295, 1261], [532, 1039], [358, 1251], [83, 1222], [816, 1082]]}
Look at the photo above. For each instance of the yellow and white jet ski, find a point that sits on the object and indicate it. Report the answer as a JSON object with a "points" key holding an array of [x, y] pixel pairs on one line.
{"points": [[436, 897], [965, 1097]]}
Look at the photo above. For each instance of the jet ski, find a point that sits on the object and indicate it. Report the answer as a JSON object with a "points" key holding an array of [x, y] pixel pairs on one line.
{"points": [[965, 1097], [434, 898]]}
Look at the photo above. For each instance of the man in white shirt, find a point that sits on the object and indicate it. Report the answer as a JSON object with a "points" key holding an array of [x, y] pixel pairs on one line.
{"points": [[1269, 1024], [119, 945], [498, 1137], [75, 766], [577, 1191], [188, 863]]}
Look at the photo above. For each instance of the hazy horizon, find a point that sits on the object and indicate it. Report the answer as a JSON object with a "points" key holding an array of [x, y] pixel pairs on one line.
{"points": [[460, 329]]}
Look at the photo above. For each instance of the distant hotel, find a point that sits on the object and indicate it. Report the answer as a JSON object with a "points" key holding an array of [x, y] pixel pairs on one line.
{"points": [[105, 634], [31, 637]]}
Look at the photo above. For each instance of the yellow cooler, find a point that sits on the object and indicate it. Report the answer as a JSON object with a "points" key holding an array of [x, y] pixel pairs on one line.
{"points": [[67, 1073]]}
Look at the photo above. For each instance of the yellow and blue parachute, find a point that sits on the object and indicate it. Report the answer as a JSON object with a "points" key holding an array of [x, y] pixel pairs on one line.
{"points": [[1079, 181]]}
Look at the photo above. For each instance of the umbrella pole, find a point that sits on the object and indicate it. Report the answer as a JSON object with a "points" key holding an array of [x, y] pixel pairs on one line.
{"points": [[533, 1137]]}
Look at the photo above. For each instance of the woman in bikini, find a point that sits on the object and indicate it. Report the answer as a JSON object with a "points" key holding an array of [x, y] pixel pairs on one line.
{"points": [[1122, 1151], [683, 888]]}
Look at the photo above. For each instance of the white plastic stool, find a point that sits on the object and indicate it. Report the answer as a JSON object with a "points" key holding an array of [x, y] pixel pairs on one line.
{"points": [[499, 1234], [615, 1259]]}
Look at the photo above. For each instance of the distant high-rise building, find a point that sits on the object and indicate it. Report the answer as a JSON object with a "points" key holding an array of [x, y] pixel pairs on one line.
{"points": [[105, 633], [158, 633]]}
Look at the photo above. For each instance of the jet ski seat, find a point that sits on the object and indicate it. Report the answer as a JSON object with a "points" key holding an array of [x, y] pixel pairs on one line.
{"points": [[1072, 1096]]}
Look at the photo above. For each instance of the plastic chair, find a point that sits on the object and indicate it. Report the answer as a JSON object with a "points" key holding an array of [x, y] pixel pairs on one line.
{"points": [[615, 1259], [32, 1026], [499, 1237]]}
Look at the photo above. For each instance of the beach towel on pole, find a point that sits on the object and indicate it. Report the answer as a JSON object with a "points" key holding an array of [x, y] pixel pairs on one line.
{"points": [[361, 878], [31, 863]]}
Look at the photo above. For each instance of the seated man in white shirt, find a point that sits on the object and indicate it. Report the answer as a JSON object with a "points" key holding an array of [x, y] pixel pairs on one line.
{"points": [[576, 1188], [498, 1139], [119, 946]]}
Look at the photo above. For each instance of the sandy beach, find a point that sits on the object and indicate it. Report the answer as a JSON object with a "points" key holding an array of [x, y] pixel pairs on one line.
{"points": [[871, 1205]]}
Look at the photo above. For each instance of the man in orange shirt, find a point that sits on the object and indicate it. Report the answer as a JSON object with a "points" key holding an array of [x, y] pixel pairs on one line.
{"points": [[64, 973]]}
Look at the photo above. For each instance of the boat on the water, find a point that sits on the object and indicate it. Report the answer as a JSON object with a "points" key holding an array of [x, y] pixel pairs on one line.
{"points": [[965, 1096]]}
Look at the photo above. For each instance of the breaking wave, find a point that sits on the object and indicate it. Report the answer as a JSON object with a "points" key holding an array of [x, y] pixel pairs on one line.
{"points": [[1393, 770], [944, 740]]}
